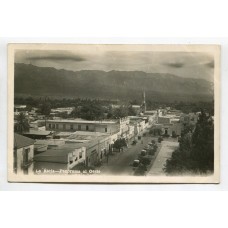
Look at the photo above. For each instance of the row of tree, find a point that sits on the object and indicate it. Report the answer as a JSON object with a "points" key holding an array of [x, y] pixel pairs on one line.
{"points": [[84, 108], [185, 107]]}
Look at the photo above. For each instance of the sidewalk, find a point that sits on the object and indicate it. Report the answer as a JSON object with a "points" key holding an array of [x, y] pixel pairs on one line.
{"points": [[165, 153]]}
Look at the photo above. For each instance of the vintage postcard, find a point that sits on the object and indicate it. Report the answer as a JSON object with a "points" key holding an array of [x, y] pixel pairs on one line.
{"points": [[113, 113]]}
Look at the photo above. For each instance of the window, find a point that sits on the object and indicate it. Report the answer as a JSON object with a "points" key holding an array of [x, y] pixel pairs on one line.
{"points": [[64, 126], [79, 127], [25, 155], [53, 126], [57, 126], [106, 130], [71, 127], [70, 158], [26, 160], [49, 125], [87, 127], [80, 155]]}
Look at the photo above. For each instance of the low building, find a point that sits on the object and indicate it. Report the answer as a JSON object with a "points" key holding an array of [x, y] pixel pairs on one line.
{"points": [[67, 110], [96, 150], [72, 125], [173, 129], [23, 154], [37, 124], [139, 124], [18, 108], [164, 120], [62, 158], [37, 134], [97, 145]]}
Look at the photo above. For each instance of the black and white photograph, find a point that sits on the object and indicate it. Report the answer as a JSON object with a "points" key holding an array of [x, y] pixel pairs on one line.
{"points": [[113, 113]]}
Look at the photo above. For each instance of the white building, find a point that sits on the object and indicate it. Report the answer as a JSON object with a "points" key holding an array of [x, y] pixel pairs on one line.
{"points": [[72, 125], [60, 158], [23, 154]]}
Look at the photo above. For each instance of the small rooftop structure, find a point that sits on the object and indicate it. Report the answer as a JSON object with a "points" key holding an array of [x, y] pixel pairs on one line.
{"points": [[20, 106], [37, 134]]}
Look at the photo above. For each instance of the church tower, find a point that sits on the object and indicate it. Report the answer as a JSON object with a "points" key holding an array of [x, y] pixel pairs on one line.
{"points": [[144, 102]]}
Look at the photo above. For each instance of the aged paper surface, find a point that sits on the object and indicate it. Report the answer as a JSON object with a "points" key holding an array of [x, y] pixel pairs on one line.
{"points": [[89, 113]]}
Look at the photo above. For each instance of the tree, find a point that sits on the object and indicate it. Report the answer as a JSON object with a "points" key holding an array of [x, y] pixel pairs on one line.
{"points": [[120, 112], [91, 111], [22, 124], [155, 131], [131, 111], [174, 135], [203, 142], [45, 108], [196, 150], [120, 143]]}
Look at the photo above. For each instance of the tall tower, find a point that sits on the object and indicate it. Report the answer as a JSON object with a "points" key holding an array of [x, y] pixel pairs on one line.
{"points": [[144, 102]]}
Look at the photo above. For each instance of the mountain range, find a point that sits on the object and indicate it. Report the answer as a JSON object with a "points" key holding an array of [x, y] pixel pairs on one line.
{"points": [[32, 80]]}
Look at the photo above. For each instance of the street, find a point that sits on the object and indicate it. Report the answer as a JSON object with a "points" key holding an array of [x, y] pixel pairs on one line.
{"points": [[119, 163]]}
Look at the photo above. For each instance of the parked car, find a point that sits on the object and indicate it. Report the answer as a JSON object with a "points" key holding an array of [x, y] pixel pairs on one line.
{"points": [[140, 170], [136, 163], [160, 138], [143, 152], [146, 160]]}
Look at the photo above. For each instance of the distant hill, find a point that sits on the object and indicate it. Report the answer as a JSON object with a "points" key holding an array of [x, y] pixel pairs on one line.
{"points": [[123, 85]]}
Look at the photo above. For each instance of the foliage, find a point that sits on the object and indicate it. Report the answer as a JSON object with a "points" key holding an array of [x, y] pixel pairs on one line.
{"points": [[196, 151], [151, 151], [155, 131], [155, 147], [89, 111], [145, 160], [160, 138], [22, 124], [120, 143], [45, 107], [174, 135], [140, 171]]}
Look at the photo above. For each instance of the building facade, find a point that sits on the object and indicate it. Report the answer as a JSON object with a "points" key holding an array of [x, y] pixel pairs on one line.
{"points": [[23, 154], [109, 127]]}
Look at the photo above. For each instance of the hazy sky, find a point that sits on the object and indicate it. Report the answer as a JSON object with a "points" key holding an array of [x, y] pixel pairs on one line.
{"points": [[94, 57]]}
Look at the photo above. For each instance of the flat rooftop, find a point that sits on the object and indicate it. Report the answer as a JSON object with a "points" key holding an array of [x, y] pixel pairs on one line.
{"points": [[37, 132], [82, 121], [86, 135], [58, 155]]}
